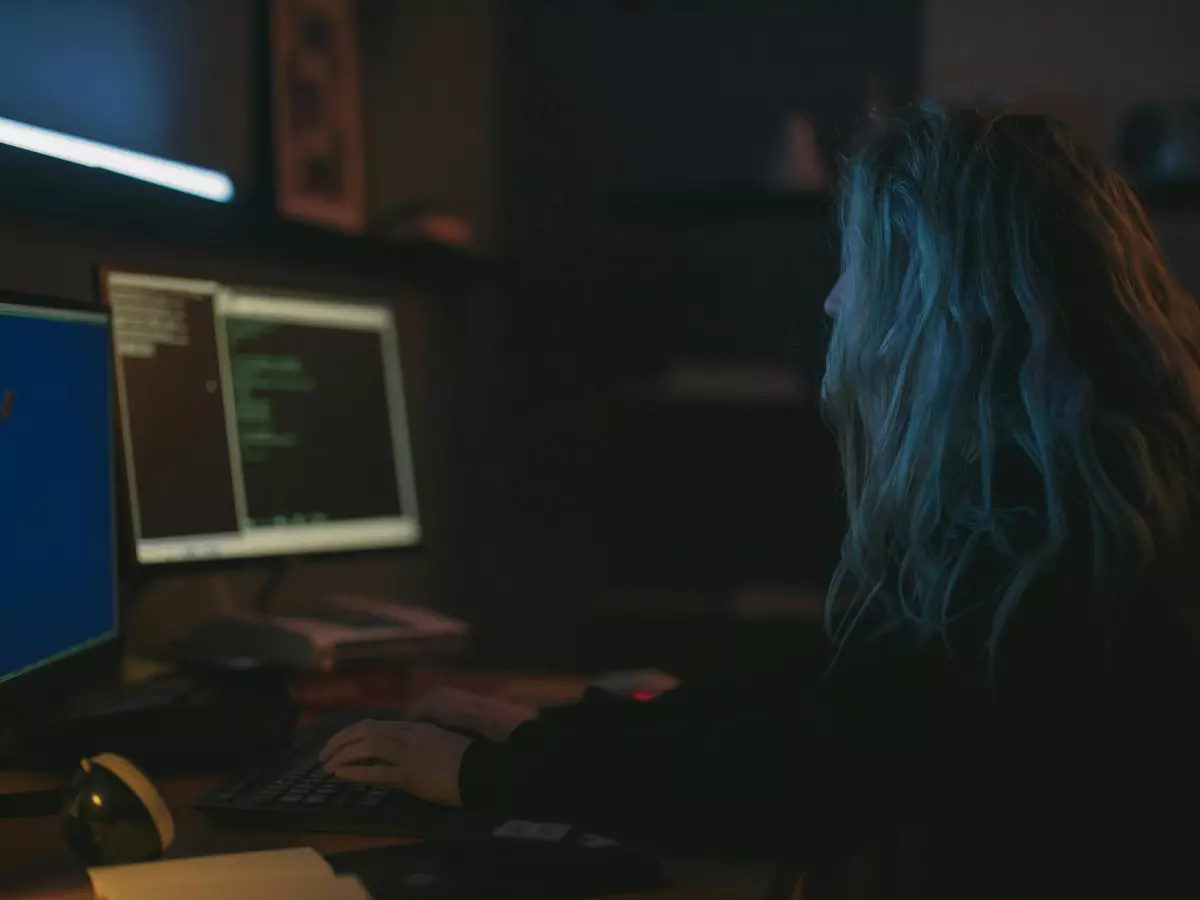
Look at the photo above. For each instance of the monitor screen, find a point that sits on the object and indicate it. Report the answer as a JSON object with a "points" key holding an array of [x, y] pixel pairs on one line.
{"points": [[259, 425], [57, 518]]}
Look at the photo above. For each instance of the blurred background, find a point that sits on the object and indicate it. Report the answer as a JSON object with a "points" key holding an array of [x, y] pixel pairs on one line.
{"points": [[606, 227]]}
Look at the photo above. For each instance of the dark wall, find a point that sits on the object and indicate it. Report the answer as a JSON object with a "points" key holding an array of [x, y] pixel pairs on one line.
{"points": [[429, 90], [603, 95], [1086, 63], [165, 77], [602, 100]]}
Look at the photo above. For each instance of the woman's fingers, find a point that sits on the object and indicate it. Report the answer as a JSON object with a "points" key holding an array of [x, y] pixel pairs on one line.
{"points": [[376, 747], [423, 759], [357, 732]]}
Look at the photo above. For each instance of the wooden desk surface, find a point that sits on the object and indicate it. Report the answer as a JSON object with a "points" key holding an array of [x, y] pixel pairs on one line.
{"points": [[35, 863]]}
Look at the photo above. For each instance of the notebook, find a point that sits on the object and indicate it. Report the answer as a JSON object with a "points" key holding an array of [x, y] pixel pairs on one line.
{"points": [[298, 874]]}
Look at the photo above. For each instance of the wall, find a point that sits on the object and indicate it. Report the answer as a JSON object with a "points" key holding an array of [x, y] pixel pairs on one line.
{"points": [[429, 98], [602, 99], [604, 96], [165, 77], [1083, 61]]}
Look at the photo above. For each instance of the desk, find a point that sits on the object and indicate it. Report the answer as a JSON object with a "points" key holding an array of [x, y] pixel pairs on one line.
{"points": [[34, 863]]}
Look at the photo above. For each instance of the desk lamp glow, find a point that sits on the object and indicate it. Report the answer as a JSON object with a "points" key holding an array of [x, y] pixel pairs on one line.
{"points": [[180, 177]]}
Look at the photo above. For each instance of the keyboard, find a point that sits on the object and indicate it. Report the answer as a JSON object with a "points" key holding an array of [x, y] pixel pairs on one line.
{"points": [[292, 792]]}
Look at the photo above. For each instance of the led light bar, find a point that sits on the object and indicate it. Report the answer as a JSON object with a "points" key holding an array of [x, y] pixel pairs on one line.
{"points": [[205, 183]]}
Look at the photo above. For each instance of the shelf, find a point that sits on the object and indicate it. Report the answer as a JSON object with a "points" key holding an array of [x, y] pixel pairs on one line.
{"points": [[41, 192], [726, 204], [798, 603], [741, 204], [740, 387], [1170, 198]]}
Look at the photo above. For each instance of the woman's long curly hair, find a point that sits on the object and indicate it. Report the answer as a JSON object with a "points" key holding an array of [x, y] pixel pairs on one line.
{"points": [[1014, 375]]}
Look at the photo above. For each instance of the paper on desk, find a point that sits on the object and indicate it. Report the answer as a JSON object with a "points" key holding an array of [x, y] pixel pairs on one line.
{"points": [[299, 874], [299, 862]]}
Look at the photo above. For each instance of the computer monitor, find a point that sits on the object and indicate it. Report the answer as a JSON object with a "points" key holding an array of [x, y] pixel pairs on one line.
{"points": [[258, 424], [58, 548]]}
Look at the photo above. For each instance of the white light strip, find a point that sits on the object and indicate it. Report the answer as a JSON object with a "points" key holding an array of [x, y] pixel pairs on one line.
{"points": [[178, 176], [353, 316], [49, 312], [284, 540]]}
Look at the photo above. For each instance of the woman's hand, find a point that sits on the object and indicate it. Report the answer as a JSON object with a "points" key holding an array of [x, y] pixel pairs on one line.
{"points": [[421, 759], [491, 719]]}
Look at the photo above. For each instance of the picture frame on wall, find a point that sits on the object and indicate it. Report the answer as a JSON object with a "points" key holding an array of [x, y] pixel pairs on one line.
{"points": [[317, 112]]}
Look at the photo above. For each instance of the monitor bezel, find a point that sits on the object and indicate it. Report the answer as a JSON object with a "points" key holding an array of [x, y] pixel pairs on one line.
{"points": [[138, 574], [38, 690]]}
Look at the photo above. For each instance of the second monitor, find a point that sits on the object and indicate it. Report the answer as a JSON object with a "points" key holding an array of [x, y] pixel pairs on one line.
{"points": [[258, 424]]}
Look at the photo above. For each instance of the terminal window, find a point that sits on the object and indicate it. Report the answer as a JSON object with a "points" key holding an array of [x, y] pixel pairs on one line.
{"points": [[313, 423]]}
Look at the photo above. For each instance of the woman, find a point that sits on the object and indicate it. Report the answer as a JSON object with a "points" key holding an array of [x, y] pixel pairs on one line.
{"points": [[1014, 381]]}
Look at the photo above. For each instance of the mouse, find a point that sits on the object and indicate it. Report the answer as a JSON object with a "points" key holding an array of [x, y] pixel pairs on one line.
{"points": [[639, 684]]}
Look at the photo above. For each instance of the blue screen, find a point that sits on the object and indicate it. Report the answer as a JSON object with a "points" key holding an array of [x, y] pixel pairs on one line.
{"points": [[57, 530]]}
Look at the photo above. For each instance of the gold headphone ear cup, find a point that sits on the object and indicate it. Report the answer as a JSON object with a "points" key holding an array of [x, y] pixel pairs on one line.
{"points": [[113, 815]]}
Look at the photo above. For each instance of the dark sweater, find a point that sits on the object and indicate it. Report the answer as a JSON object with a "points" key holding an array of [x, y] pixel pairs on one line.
{"points": [[1071, 772]]}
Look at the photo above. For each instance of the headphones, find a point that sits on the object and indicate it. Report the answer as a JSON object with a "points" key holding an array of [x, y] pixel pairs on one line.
{"points": [[111, 813]]}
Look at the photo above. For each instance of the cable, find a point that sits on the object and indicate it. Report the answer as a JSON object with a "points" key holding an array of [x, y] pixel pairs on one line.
{"points": [[270, 587], [30, 804]]}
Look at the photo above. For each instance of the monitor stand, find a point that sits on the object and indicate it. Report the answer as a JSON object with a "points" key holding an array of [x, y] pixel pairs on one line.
{"points": [[30, 804]]}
